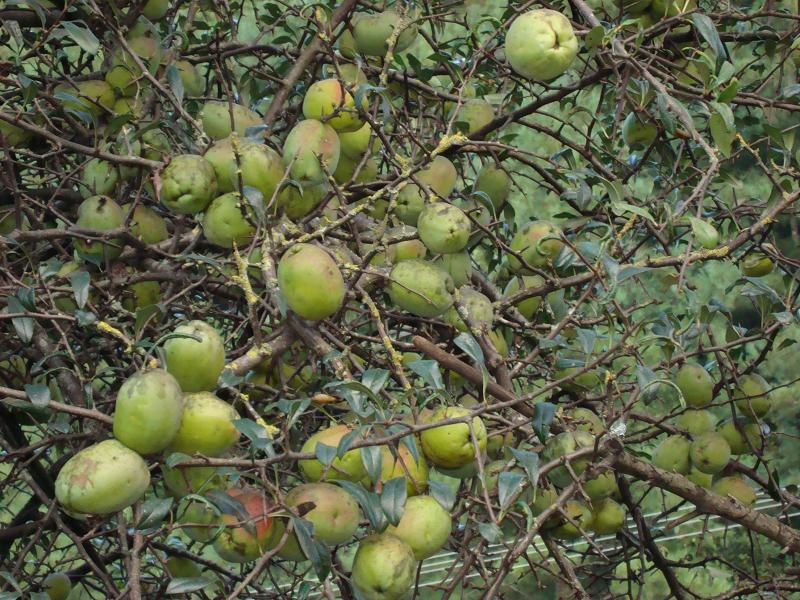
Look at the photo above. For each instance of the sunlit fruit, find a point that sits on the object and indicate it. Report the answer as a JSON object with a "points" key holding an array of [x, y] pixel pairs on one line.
{"points": [[310, 282], [328, 101], [737, 487], [207, 426], [100, 213], [695, 384], [538, 243], [453, 445], [229, 221], [541, 44], [195, 356], [384, 567], [425, 526], [710, 452], [311, 151], [349, 466], [443, 228]]}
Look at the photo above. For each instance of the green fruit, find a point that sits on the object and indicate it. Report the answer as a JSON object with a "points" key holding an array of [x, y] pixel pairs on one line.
{"points": [[245, 537], [348, 467], [700, 478], [216, 118], [195, 356], [695, 384], [192, 80], [102, 479], [543, 499], [607, 516], [672, 455], [101, 213], [297, 203], [710, 452], [541, 44], [334, 514], [752, 395], [562, 444], [425, 526], [57, 586], [472, 115], [443, 228], [401, 463], [92, 96], [188, 184], [178, 566], [125, 75], [477, 306], [582, 517], [99, 177], [182, 481], [638, 131], [696, 422], [228, 221], [346, 169], [346, 44], [372, 32], [742, 435], [409, 248], [451, 446], [495, 183], [671, 8], [146, 224], [328, 101], [440, 176], [354, 144], [420, 288], [199, 522], [538, 242], [602, 486], [14, 136], [585, 420], [458, 265], [736, 487], [258, 165], [383, 568], [757, 264], [579, 384], [529, 306], [207, 426], [311, 151], [310, 282], [410, 202], [147, 413]]}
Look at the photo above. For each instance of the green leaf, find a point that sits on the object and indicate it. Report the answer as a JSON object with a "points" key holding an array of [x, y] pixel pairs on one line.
{"points": [[470, 345], [154, 511], [594, 37], [314, 550], [393, 499], [444, 494], [705, 26], [370, 503], [184, 585], [507, 485], [176, 458], [77, 31], [722, 135], [372, 458], [530, 462], [490, 532], [22, 325], [39, 394], [324, 453], [729, 93], [175, 83], [80, 287], [375, 379], [543, 413], [257, 434], [429, 371]]}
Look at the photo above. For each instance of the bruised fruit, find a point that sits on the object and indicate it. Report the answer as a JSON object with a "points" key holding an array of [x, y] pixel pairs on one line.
{"points": [[541, 44], [383, 568], [458, 265], [335, 514], [258, 165], [742, 435], [528, 306], [328, 101], [147, 413], [101, 213], [310, 282], [443, 228], [477, 306], [561, 445], [736, 487], [538, 243], [452, 446], [710, 452], [311, 150], [348, 467], [372, 33], [228, 221], [420, 288], [695, 384], [216, 119], [207, 426], [752, 395], [696, 422], [607, 516], [425, 526], [102, 479], [672, 455], [246, 534], [580, 518], [195, 356], [188, 184], [495, 183]]}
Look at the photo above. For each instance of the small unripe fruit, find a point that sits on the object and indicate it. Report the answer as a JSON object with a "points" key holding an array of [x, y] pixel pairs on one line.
{"points": [[425, 526], [458, 265], [529, 306], [195, 356], [99, 177], [541, 44], [700, 478], [451, 446], [710, 452], [477, 306], [192, 80], [757, 264], [57, 586], [188, 184], [638, 131], [562, 444], [602, 486], [401, 463], [182, 481], [607, 517], [743, 436], [146, 224], [310, 282], [354, 144], [207, 426], [297, 203], [101, 213], [672, 455], [472, 115], [372, 32], [495, 183], [92, 96], [420, 288], [695, 384], [335, 514], [444, 228], [752, 395], [696, 422], [581, 520], [383, 568], [228, 221]]}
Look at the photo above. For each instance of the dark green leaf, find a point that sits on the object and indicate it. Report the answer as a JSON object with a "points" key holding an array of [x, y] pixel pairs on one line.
{"points": [[444, 494], [490, 532], [175, 83], [372, 457], [154, 510], [184, 585], [314, 550], [22, 325], [82, 35], [470, 345], [429, 371], [176, 458], [324, 453], [393, 499], [80, 287], [370, 503], [39, 394], [530, 462], [705, 26], [508, 483], [543, 413], [375, 379]]}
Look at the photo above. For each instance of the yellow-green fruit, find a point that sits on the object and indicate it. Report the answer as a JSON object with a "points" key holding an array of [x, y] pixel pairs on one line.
{"points": [[188, 184], [354, 144], [695, 384], [636, 6], [102, 479], [133, 106], [258, 164], [585, 420], [146, 224], [347, 168], [420, 288], [216, 118], [229, 220], [541, 44], [529, 306], [580, 515], [101, 213], [425, 526], [383, 568], [311, 150], [125, 75], [710, 452], [147, 413], [155, 9], [93, 96], [499, 341], [538, 242], [139, 295], [562, 444], [99, 177], [638, 131], [757, 264], [14, 136], [328, 101], [672, 455], [351, 75], [297, 203], [700, 478], [347, 467], [458, 265], [57, 586], [440, 175], [372, 32], [671, 8], [544, 498], [193, 83], [182, 481], [472, 115], [607, 516], [207, 426], [346, 44], [178, 566], [310, 282], [401, 463], [752, 395], [199, 522], [696, 422], [451, 446], [477, 306], [409, 204], [406, 249], [743, 436], [334, 514], [736, 487], [602, 486], [578, 384], [246, 537], [443, 228], [495, 183], [195, 356]]}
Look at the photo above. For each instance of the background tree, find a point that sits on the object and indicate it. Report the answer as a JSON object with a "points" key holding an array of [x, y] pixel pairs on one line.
{"points": [[380, 299]]}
